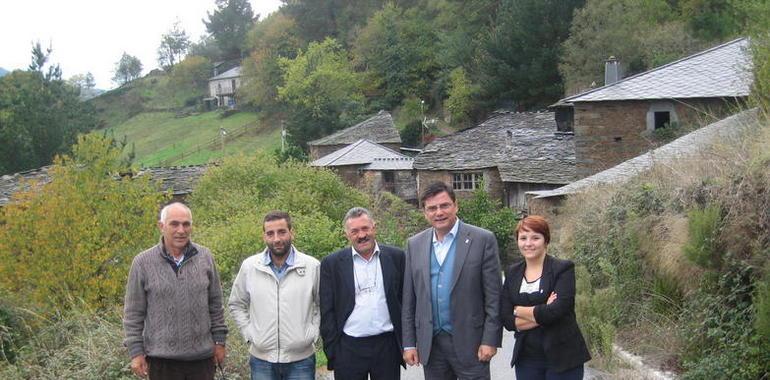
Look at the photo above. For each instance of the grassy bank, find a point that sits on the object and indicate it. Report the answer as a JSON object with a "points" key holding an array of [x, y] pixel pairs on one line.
{"points": [[675, 265]]}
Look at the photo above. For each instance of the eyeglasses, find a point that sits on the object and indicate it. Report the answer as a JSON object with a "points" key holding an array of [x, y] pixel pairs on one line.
{"points": [[442, 207]]}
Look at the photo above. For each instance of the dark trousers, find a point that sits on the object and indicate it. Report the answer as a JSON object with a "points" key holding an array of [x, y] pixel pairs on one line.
{"points": [[169, 369], [443, 363], [538, 370], [377, 357]]}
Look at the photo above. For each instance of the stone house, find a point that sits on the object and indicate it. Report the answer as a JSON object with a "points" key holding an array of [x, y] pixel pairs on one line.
{"points": [[377, 129], [366, 164], [547, 202], [223, 87], [614, 122], [509, 153]]}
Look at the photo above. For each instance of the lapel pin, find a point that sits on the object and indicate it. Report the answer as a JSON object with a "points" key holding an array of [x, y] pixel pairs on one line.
{"points": [[301, 271]]}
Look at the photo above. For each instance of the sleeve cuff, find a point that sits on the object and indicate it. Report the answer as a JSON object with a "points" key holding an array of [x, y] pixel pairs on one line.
{"points": [[219, 338], [136, 350]]}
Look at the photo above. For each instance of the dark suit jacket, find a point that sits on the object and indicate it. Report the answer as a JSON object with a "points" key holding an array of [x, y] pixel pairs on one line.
{"points": [[338, 294], [475, 294], [562, 341]]}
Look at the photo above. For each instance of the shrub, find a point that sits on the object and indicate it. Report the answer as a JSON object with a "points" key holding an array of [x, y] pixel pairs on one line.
{"points": [[316, 199], [483, 211], [703, 227], [76, 236]]}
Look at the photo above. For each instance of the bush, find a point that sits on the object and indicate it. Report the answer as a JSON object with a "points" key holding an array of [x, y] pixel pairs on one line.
{"points": [[316, 199], [702, 247], [75, 237], [483, 211]]}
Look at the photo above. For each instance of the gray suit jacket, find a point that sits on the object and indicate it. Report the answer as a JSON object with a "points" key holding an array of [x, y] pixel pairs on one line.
{"points": [[475, 294]]}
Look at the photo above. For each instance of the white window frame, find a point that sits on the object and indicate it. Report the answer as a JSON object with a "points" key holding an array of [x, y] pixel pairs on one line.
{"points": [[467, 181]]}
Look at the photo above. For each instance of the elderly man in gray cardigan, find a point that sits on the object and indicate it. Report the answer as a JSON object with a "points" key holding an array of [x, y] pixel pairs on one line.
{"points": [[173, 315]]}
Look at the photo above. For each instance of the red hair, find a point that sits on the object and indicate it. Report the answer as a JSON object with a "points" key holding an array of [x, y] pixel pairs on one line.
{"points": [[534, 223]]}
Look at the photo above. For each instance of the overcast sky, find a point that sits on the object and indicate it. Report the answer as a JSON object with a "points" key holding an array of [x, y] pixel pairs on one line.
{"points": [[92, 35]]}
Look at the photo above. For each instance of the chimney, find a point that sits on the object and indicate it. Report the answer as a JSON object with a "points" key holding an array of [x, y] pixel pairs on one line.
{"points": [[611, 70]]}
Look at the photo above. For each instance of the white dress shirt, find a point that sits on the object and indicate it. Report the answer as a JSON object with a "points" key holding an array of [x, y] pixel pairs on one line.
{"points": [[441, 248], [370, 315]]}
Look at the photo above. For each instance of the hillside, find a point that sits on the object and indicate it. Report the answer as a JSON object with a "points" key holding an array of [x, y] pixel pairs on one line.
{"points": [[164, 126], [3, 71], [674, 265]]}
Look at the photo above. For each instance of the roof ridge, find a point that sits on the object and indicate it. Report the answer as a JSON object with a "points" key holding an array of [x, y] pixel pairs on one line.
{"points": [[567, 99]]}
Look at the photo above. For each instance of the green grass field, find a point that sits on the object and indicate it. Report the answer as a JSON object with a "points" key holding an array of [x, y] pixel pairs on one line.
{"points": [[162, 139]]}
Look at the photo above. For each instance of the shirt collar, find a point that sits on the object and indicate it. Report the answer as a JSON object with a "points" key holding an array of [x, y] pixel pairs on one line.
{"points": [[451, 235], [268, 258], [376, 251]]}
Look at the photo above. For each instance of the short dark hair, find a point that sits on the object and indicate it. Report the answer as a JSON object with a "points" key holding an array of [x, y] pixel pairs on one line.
{"points": [[437, 188], [277, 215]]}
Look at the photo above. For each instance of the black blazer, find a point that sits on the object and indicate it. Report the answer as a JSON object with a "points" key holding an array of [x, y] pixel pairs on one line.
{"points": [[338, 294], [562, 341]]}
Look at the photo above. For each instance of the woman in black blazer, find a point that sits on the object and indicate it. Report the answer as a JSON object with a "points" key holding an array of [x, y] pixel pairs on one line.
{"points": [[538, 302]]}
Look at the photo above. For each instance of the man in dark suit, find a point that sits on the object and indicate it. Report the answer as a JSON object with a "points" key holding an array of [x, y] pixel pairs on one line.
{"points": [[361, 289], [451, 293]]}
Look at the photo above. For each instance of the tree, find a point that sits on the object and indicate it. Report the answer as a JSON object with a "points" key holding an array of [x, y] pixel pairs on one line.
{"points": [[191, 74], [127, 69], [82, 81], [321, 91], [173, 46], [338, 19], [39, 60], [229, 24], [396, 48], [519, 61], [640, 34], [74, 238], [268, 40], [40, 116], [461, 95]]}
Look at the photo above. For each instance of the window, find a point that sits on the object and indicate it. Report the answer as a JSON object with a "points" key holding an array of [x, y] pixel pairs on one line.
{"points": [[661, 114], [232, 85], [662, 119], [466, 181]]}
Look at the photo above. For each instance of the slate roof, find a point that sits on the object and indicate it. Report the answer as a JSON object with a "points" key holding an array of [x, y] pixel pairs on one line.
{"points": [[686, 145], [378, 128], [179, 179], [235, 72], [722, 71], [365, 152], [524, 147]]}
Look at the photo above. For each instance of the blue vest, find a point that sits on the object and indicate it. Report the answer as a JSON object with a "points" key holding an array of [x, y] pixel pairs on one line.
{"points": [[440, 294]]}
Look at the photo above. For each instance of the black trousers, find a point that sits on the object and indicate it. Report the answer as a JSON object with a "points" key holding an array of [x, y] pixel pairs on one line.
{"points": [[169, 369], [377, 357]]}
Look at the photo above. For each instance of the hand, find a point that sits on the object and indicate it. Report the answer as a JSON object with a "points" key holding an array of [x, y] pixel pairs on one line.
{"points": [[486, 353], [551, 298], [411, 357], [219, 355], [139, 366]]}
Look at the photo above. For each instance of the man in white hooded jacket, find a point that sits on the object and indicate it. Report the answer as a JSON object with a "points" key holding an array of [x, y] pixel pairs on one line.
{"points": [[274, 302]]}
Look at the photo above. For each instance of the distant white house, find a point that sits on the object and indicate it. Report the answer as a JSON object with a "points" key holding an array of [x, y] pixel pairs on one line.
{"points": [[223, 87]]}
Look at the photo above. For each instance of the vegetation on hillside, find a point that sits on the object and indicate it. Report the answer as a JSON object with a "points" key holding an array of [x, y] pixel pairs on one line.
{"points": [[675, 265], [40, 115]]}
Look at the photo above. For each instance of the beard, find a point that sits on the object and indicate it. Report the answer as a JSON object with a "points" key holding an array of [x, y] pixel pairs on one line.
{"points": [[282, 251]]}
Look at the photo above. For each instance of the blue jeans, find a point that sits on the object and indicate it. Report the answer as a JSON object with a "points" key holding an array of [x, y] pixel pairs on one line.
{"points": [[300, 370]]}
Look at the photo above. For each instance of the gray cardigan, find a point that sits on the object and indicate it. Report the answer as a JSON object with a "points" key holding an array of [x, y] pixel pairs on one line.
{"points": [[173, 314]]}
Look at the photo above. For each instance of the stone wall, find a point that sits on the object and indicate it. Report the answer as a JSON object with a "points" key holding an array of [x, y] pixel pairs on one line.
{"points": [[608, 133]]}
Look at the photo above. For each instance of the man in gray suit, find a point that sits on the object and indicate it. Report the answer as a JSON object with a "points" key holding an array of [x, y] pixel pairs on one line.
{"points": [[452, 282]]}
